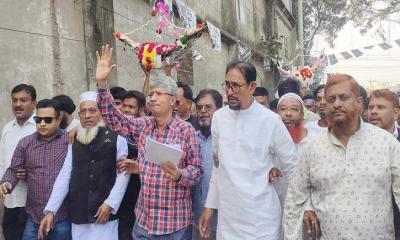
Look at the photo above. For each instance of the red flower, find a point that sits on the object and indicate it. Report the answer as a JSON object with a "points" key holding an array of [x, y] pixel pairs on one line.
{"points": [[153, 13], [159, 49], [150, 47], [117, 34]]}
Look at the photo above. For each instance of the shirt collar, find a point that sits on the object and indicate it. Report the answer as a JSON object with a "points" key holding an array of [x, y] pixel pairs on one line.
{"points": [[29, 121], [336, 141], [396, 132], [172, 124], [202, 136]]}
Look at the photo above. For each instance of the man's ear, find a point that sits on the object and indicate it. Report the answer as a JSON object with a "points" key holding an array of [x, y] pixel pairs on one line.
{"points": [[252, 86]]}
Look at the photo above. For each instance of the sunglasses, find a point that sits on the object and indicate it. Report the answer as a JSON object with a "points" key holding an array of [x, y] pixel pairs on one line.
{"points": [[46, 120]]}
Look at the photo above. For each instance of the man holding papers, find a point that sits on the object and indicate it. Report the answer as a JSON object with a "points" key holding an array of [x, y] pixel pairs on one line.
{"points": [[164, 207]]}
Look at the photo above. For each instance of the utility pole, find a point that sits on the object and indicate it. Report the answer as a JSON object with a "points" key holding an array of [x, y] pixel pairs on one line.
{"points": [[300, 31]]}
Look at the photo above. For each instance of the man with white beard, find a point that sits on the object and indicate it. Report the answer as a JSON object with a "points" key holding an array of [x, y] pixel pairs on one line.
{"points": [[90, 178]]}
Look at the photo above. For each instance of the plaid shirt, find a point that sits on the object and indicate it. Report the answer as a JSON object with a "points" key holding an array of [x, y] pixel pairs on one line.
{"points": [[43, 161], [163, 206]]}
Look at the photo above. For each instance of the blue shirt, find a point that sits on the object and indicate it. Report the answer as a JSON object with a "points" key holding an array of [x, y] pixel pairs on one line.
{"points": [[200, 190]]}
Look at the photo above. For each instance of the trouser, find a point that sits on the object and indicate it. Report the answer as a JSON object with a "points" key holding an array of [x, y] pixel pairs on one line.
{"points": [[14, 220], [60, 231], [139, 233], [126, 211]]}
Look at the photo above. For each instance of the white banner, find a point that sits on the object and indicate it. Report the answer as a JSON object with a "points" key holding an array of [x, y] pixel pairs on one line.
{"points": [[244, 52], [215, 36]]}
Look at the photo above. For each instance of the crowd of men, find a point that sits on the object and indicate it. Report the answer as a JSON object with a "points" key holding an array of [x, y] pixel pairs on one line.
{"points": [[307, 165]]}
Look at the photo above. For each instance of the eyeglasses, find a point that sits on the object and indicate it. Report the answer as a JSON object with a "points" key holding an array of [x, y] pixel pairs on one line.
{"points": [[233, 86], [206, 108], [46, 120], [157, 94]]}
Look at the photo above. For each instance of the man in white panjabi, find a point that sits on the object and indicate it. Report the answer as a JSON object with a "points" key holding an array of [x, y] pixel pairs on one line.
{"points": [[246, 135], [291, 109], [90, 178], [349, 171]]}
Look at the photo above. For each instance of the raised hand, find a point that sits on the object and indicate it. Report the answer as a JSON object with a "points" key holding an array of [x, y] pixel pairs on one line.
{"points": [[104, 66]]}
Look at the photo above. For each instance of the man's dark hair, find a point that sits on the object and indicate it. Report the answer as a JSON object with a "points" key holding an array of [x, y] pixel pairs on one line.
{"points": [[27, 88], [67, 105], [187, 91], [140, 98], [315, 92], [309, 96], [260, 91], [273, 105], [290, 85], [364, 95], [50, 103], [117, 92], [213, 93], [247, 69]]}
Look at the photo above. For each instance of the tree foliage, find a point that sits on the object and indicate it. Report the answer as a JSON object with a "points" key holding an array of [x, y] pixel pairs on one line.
{"points": [[322, 17], [366, 13]]}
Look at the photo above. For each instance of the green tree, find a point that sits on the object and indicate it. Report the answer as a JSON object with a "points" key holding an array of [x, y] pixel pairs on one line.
{"points": [[322, 17], [366, 13]]}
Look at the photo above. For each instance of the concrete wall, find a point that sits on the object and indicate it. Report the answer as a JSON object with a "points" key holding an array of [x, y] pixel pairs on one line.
{"points": [[53, 43]]}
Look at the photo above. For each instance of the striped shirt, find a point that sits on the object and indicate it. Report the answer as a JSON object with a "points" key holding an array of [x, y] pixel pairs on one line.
{"points": [[43, 161], [163, 206]]}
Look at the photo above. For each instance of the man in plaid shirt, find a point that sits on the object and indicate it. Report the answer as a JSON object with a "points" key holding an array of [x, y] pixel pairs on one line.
{"points": [[164, 207], [42, 154]]}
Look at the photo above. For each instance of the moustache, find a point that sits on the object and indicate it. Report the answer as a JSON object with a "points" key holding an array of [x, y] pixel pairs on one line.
{"points": [[18, 109]]}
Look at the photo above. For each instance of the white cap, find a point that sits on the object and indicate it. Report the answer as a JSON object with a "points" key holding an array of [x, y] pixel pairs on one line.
{"points": [[88, 96], [291, 95]]}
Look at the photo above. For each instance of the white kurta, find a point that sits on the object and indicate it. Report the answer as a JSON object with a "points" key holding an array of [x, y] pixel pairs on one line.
{"points": [[281, 185], [11, 135], [248, 205], [91, 231], [350, 186]]}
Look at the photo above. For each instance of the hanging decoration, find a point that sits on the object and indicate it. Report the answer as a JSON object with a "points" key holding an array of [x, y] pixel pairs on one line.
{"points": [[215, 36], [305, 73], [153, 55], [163, 10]]}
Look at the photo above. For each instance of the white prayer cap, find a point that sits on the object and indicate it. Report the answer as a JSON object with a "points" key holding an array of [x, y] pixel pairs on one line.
{"points": [[291, 95], [88, 96]]}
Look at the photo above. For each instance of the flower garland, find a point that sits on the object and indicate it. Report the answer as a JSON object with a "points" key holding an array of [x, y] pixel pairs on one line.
{"points": [[152, 55]]}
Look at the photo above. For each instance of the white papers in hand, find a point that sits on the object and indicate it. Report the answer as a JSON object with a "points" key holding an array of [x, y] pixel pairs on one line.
{"points": [[157, 152]]}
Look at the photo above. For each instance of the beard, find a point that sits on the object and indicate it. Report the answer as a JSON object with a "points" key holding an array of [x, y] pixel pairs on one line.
{"points": [[350, 117], [64, 122], [86, 135], [296, 133]]}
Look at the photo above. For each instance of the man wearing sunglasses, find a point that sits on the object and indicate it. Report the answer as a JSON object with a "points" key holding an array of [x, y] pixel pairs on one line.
{"points": [[164, 207], [42, 154], [247, 140]]}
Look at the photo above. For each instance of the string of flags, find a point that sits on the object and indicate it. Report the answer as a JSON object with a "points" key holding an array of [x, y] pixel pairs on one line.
{"points": [[332, 59]]}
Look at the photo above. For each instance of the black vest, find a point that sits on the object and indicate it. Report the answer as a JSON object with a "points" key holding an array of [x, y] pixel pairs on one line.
{"points": [[93, 176]]}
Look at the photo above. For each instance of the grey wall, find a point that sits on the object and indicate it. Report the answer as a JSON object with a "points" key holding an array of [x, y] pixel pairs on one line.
{"points": [[65, 62]]}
